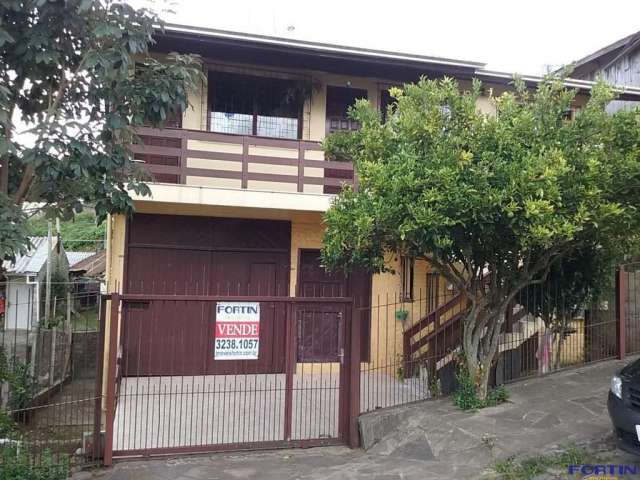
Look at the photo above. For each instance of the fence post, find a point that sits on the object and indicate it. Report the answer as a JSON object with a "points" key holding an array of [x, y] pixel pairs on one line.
{"points": [[111, 379], [52, 356], [621, 300], [97, 413], [290, 365], [354, 374]]}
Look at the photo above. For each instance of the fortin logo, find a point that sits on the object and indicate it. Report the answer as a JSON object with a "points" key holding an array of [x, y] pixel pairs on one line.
{"points": [[604, 471]]}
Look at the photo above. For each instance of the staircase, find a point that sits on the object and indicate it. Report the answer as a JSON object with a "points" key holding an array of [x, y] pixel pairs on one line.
{"points": [[430, 343]]}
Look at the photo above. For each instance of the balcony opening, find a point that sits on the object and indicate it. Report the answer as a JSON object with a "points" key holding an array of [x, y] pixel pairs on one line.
{"points": [[252, 105], [339, 99]]}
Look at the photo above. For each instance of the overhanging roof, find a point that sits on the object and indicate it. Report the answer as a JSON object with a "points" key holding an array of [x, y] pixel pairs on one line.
{"points": [[285, 52], [262, 49], [600, 59]]}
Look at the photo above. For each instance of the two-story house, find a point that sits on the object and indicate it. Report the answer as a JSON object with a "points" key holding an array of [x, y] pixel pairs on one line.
{"points": [[239, 188]]}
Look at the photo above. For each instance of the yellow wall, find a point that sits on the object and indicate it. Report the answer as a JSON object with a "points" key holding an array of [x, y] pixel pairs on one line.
{"points": [[114, 272]]}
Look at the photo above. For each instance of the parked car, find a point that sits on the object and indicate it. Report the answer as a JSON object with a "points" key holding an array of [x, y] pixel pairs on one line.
{"points": [[624, 407]]}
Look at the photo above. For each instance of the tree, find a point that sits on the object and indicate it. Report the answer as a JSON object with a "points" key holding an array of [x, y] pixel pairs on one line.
{"points": [[80, 233], [76, 79], [491, 201], [577, 280]]}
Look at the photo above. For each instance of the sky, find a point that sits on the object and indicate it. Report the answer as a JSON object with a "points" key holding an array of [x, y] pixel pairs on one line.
{"points": [[512, 36]]}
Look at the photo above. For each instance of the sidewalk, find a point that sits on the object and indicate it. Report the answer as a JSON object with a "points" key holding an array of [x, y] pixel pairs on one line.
{"points": [[432, 439]]}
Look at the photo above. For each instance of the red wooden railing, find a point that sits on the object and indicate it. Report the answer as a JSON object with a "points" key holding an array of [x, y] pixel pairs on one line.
{"points": [[165, 153], [434, 325], [442, 336]]}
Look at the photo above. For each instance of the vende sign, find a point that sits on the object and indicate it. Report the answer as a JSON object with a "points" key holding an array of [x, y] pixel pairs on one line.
{"points": [[237, 332]]}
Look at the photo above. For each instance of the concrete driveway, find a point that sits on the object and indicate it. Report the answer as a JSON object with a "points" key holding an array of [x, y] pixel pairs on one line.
{"points": [[427, 440]]}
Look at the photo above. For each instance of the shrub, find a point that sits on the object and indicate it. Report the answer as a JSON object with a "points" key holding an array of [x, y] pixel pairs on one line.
{"points": [[466, 396], [17, 464]]}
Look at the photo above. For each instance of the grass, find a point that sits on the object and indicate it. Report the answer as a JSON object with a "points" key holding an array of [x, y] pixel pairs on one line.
{"points": [[530, 467]]}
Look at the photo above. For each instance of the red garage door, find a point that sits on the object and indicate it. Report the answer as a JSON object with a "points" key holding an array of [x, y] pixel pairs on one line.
{"points": [[185, 255]]}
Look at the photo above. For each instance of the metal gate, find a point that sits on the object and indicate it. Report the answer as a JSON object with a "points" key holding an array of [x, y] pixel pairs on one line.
{"points": [[168, 392]]}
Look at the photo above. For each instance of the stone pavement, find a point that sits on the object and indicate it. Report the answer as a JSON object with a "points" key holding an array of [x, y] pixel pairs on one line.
{"points": [[427, 440]]}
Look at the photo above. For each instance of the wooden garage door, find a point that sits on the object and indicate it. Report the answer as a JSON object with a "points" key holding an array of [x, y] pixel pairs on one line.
{"points": [[201, 256]]}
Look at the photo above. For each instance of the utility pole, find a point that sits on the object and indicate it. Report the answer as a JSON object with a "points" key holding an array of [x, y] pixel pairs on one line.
{"points": [[47, 295]]}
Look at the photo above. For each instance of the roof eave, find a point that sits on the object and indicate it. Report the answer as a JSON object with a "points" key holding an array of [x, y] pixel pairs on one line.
{"points": [[323, 48], [623, 92]]}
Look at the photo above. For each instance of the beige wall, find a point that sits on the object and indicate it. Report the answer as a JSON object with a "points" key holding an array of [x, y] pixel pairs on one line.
{"points": [[314, 111]]}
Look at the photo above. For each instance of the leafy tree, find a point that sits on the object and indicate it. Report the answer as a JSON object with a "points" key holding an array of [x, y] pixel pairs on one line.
{"points": [[491, 201], [79, 233], [579, 279], [76, 78]]}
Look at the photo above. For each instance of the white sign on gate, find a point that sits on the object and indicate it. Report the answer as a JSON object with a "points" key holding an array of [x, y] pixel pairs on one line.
{"points": [[237, 332]]}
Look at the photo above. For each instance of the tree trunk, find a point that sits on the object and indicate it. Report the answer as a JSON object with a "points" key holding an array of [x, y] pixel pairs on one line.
{"points": [[481, 347], [559, 343]]}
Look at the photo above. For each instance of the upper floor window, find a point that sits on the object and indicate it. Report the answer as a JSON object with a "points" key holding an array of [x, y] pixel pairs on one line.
{"points": [[386, 101], [406, 271], [251, 105], [339, 99]]}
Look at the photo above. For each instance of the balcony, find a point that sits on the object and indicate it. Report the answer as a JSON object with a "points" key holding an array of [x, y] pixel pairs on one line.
{"points": [[246, 162]]}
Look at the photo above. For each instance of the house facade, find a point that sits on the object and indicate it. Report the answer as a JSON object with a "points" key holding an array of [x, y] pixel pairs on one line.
{"points": [[240, 183], [239, 186]]}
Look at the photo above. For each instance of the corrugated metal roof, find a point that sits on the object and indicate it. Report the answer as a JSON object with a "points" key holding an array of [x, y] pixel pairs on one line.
{"points": [[92, 266], [75, 257], [33, 261]]}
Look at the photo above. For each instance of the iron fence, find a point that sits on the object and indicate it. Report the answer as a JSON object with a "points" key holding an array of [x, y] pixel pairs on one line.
{"points": [[414, 345], [50, 392], [316, 362]]}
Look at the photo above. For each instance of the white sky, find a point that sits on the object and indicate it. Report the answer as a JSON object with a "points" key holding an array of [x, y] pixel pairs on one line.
{"points": [[512, 36]]}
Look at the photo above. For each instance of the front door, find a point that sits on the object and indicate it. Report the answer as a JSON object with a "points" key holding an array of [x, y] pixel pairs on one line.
{"points": [[320, 382], [320, 326]]}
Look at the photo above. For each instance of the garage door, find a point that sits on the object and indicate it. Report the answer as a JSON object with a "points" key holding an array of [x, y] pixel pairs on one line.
{"points": [[185, 255]]}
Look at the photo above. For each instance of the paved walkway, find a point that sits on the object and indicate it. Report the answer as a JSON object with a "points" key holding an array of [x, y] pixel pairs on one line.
{"points": [[431, 440], [160, 412]]}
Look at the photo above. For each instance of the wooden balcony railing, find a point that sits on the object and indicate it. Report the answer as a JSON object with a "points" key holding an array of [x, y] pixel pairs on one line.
{"points": [[201, 158]]}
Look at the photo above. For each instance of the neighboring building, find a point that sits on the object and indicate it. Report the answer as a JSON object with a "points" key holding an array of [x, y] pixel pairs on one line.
{"points": [[87, 276], [618, 64], [25, 280], [75, 258]]}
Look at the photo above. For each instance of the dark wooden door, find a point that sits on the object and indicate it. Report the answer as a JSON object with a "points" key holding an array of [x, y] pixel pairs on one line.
{"points": [[259, 273], [180, 255], [320, 326]]}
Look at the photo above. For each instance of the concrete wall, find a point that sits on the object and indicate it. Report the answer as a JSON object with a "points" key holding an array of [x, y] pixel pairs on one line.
{"points": [[22, 304]]}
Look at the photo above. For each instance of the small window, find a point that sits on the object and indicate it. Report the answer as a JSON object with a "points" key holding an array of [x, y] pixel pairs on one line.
{"points": [[433, 291], [406, 265]]}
